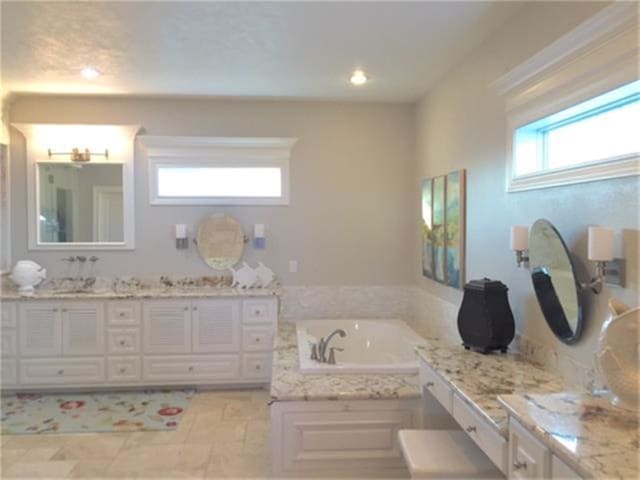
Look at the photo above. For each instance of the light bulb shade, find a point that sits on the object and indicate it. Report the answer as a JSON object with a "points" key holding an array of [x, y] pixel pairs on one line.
{"points": [[601, 244], [519, 238], [181, 231]]}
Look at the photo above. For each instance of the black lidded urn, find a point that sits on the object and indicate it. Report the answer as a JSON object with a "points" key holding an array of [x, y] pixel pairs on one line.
{"points": [[485, 320]]}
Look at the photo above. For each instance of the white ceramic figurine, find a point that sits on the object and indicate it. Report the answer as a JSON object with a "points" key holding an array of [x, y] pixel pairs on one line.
{"points": [[26, 275], [265, 275], [244, 277]]}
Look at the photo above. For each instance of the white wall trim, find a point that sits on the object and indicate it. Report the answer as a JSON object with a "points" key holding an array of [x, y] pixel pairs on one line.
{"points": [[239, 151], [609, 22], [599, 55], [35, 155]]}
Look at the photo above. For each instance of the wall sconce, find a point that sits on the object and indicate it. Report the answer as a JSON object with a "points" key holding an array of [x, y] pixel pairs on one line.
{"points": [[259, 240], [520, 244], [601, 250], [75, 155], [182, 240]]}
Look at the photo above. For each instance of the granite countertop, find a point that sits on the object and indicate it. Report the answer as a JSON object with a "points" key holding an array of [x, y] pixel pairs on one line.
{"points": [[589, 434], [288, 384], [478, 379], [141, 293]]}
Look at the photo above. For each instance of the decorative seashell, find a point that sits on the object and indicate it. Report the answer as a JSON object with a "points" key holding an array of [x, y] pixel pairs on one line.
{"points": [[618, 348], [244, 277], [265, 275], [26, 275]]}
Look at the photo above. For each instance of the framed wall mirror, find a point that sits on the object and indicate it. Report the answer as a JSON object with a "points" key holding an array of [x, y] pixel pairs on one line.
{"points": [[555, 282], [80, 202]]}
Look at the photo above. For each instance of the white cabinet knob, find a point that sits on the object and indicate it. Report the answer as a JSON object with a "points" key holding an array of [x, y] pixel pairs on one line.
{"points": [[257, 367], [122, 342], [60, 372], [191, 368], [121, 314], [123, 370]]}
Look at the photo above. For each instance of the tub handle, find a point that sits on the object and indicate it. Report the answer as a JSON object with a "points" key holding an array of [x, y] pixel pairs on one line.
{"points": [[332, 355]]}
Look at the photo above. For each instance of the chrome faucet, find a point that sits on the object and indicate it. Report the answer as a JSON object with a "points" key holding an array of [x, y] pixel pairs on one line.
{"points": [[323, 344]]}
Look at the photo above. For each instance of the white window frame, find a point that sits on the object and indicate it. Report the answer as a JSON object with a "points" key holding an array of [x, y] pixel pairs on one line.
{"points": [[185, 152], [598, 56]]}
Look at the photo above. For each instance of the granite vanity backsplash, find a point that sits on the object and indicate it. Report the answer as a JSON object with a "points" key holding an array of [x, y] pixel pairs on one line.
{"points": [[135, 287]]}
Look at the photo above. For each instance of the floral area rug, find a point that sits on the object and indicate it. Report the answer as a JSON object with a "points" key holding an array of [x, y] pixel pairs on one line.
{"points": [[93, 412]]}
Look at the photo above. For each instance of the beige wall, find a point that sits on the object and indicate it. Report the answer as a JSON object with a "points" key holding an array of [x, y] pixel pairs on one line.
{"points": [[461, 124], [351, 172]]}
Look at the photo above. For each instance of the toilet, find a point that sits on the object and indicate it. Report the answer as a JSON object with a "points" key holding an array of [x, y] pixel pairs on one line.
{"points": [[444, 454]]}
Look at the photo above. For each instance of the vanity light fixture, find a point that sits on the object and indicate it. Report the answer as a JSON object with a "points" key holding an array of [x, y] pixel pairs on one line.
{"points": [[358, 78], [76, 155], [259, 239], [89, 73], [601, 250], [182, 239], [520, 244]]}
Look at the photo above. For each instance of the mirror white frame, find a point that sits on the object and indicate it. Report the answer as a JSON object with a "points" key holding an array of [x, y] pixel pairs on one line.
{"points": [[118, 139]]}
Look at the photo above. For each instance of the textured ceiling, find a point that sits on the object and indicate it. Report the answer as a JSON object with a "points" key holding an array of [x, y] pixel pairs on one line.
{"points": [[252, 49]]}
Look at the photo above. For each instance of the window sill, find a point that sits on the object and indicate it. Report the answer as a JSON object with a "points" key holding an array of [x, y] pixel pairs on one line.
{"points": [[613, 168]]}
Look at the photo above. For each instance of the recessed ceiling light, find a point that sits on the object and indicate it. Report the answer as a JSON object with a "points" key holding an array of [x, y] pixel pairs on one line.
{"points": [[89, 73], [358, 78]]}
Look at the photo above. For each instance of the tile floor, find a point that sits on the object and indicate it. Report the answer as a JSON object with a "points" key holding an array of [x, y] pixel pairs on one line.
{"points": [[223, 434]]}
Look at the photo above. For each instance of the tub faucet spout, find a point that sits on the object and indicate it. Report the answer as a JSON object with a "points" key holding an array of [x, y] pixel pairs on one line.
{"points": [[323, 344]]}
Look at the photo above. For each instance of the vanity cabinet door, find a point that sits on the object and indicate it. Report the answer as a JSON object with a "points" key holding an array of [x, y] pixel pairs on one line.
{"points": [[40, 329], [83, 328], [166, 326], [216, 326], [528, 457]]}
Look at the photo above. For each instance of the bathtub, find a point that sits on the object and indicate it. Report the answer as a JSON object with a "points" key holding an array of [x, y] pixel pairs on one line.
{"points": [[371, 346]]}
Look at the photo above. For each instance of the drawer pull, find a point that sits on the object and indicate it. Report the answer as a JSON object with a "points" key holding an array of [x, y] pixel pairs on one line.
{"points": [[257, 339], [55, 310], [470, 429], [121, 314], [191, 368], [519, 465], [123, 370], [257, 367], [64, 310], [429, 384], [186, 309], [195, 309], [60, 372], [122, 342]]}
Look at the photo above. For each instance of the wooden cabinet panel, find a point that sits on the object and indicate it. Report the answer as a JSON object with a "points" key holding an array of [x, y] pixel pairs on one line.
{"points": [[83, 328], [9, 313], [166, 326], [40, 329], [123, 313], [256, 366], [123, 341], [56, 371], [123, 369], [216, 326], [260, 310], [528, 457], [9, 342], [191, 369], [9, 373]]}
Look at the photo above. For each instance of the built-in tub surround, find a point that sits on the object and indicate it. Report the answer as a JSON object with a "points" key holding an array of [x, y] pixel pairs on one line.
{"points": [[585, 431], [289, 384], [370, 346]]}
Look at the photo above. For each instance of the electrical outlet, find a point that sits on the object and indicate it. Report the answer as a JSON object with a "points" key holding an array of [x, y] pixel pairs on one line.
{"points": [[293, 266]]}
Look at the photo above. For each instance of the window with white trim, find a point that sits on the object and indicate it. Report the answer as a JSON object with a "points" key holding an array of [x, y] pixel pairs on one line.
{"points": [[573, 108], [600, 130], [218, 171]]}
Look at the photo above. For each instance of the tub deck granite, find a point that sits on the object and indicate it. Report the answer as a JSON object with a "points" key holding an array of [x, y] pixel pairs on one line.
{"points": [[478, 379], [589, 434], [288, 384]]}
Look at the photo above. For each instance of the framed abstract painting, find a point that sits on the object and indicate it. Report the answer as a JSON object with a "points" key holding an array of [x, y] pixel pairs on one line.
{"points": [[443, 228]]}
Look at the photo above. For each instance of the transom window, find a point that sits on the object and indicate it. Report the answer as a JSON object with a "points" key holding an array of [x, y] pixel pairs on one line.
{"points": [[218, 171], [602, 129]]}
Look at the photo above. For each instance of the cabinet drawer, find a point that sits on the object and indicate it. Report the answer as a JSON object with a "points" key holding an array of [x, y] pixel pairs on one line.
{"points": [[528, 457], [9, 342], [9, 372], [257, 338], [434, 384], [488, 439], [559, 469], [8, 315], [260, 311], [191, 369], [52, 371], [256, 366], [123, 313], [123, 340], [123, 369]]}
